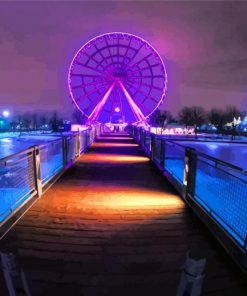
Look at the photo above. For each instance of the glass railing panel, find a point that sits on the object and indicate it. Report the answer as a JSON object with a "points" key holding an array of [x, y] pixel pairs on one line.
{"points": [[51, 160], [17, 182], [174, 160], [157, 157], [222, 191]]}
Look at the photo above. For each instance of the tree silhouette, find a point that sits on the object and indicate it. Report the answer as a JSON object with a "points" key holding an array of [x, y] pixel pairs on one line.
{"points": [[35, 121], [215, 117], [160, 118], [194, 115], [54, 122], [26, 121], [78, 117], [231, 112]]}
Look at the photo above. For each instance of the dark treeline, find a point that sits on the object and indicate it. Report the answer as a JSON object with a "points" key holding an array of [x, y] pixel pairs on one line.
{"points": [[188, 116], [41, 121], [34, 121], [197, 116]]}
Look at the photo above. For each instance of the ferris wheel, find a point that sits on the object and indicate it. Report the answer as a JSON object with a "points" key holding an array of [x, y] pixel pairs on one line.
{"points": [[117, 75]]}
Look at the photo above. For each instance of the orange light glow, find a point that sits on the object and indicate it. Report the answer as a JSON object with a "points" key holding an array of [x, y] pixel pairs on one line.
{"points": [[140, 200], [115, 138], [112, 144], [112, 158], [103, 200]]}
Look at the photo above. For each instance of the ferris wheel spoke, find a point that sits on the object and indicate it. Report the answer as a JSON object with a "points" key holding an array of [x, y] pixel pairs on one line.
{"points": [[133, 58], [145, 68], [87, 95], [133, 95], [95, 113], [146, 95], [136, 110], [149, 76], [125, 54], [104, 59], [90, 68], [86, 75], [108, 47], [91, 58], [137, 63], [87, 84], [98, 51], [152, 86]]}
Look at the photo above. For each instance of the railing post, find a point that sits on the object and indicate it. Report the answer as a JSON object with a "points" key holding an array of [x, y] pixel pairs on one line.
{"points": [[162, 152], [152, 146], [88, 138], [37, 172], [140, 133], [136, 134], [91, 135], [65, 152], [78, 144], [79, 148], [189, 181], [142, 138], [145, 141]]}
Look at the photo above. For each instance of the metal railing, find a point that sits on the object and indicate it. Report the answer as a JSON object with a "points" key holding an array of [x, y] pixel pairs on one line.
{"points": [[145, 141], [216, 190], [157, 149], [29, 173], [17, 181], [51, 159], [221, 190]]}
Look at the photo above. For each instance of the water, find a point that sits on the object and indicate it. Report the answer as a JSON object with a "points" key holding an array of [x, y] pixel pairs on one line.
{"points": [[233, 153], [220, 190], [12, 145]]}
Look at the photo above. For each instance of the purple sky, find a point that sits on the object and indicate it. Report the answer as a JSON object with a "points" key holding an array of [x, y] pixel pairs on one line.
{"points": [[204, 46]]}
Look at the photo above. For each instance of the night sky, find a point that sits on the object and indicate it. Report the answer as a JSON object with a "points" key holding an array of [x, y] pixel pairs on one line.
{"points": [[203, 44]]}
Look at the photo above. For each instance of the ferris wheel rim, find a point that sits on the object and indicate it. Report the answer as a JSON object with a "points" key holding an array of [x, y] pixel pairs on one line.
{"points": [[164, 89]]}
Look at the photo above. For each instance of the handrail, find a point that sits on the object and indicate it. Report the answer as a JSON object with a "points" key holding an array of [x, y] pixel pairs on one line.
{"points": [[201, 173], [30, 148], [27, 150], [45, 170], [227, 164]]}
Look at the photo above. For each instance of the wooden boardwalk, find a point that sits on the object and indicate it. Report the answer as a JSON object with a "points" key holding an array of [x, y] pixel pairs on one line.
{"points": [[112, 225]]}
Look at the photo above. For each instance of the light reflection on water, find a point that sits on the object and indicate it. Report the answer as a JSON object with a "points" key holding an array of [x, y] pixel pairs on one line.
{"points": [[10, 146], [233, 153]]}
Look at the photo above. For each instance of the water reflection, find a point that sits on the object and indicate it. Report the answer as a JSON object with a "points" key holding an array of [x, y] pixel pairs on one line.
{"points": [[10, 146], [233, 153]]}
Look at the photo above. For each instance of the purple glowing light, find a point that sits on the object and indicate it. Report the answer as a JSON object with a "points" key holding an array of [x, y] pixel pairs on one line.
{"points": [[117, 69], [95, 113], [136, 110]]}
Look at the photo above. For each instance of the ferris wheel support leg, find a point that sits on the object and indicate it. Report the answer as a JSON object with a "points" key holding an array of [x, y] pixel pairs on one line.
{"points": [[136, 110], [96, 111]]}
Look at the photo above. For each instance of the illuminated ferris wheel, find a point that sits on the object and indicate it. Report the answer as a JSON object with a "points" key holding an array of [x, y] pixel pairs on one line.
{"points": [[117, 75]]}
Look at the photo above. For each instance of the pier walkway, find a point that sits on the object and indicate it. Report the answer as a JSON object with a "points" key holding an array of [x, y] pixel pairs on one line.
{"points": [[112, 225]]}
